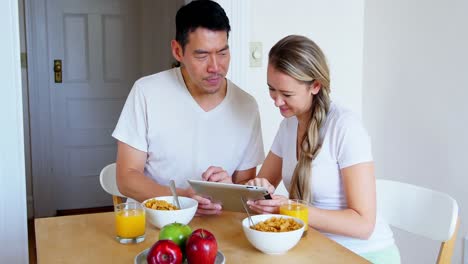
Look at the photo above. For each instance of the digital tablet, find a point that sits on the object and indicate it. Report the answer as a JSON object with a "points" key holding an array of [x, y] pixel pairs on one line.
{"points": [[229, 195]]}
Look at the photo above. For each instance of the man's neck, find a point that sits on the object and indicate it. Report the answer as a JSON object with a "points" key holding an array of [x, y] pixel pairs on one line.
{"points": [[207, 101]]}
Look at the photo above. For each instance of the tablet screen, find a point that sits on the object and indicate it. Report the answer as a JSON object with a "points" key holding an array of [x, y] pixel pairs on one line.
{"points": [[229, 195]]}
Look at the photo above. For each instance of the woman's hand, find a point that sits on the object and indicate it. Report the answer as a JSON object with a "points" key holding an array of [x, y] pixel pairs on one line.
{"points": [[262, 182], [268, 206]]}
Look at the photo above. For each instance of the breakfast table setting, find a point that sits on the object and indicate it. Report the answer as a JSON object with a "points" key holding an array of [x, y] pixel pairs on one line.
{"points": [[100, 238]]}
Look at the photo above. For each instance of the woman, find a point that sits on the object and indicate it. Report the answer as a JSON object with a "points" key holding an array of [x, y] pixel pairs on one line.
{"points": [[322, 153]]}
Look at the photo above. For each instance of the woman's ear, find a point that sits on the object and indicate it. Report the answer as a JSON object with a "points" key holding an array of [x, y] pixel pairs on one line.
{"points": [[177, 51], [315, 87]]}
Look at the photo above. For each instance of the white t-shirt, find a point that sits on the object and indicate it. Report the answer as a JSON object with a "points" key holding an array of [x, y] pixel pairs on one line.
{"points": [[161, 118], [345, 143]]}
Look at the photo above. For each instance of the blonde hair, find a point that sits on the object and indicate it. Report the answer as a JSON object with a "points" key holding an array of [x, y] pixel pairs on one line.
{"points": [[300, 58]]}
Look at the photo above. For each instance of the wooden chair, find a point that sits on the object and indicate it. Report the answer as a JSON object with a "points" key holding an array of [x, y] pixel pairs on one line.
{"points": [[109, 183], [420, 211]]}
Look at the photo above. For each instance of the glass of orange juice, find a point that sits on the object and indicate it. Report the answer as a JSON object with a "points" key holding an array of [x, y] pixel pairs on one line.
{"points": [[130, 223], [297, 208]]}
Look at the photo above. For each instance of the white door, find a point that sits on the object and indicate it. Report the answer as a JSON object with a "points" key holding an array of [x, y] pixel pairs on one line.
{"points": [[104, 45], [93, 40]]}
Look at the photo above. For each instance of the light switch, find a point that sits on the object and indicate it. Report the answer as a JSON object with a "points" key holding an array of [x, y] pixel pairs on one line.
{"points": [[256, 54]]}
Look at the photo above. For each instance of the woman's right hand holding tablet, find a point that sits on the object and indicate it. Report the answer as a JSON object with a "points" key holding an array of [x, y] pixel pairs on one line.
{"points": [[270, 206], [262, 182]]}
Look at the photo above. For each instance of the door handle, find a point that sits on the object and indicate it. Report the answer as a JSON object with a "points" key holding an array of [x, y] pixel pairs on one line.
{"points": [[58, 71]]}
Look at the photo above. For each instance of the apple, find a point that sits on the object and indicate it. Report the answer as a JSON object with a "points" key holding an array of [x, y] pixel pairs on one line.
{"points": [[164, 252], [176, 232], [201, 247]]}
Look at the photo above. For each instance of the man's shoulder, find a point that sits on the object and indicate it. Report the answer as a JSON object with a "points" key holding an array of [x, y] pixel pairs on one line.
{"points": [[157, 79], [240, 96]]}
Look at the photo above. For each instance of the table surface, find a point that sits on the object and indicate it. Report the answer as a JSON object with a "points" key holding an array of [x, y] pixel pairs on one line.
{"points": [[89, 238]]}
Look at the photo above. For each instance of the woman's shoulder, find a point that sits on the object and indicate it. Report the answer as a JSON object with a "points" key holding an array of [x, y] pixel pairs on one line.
{"points": [[339, 116], [289, 123]]}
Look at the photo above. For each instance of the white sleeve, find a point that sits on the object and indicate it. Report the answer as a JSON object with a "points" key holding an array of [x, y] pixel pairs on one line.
{"points": [[277, 147], [254, 154], [132, 125], [353, 142]]}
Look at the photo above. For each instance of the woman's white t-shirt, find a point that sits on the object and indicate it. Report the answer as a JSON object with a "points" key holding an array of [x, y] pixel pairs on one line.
{"points": [[345, 143]]}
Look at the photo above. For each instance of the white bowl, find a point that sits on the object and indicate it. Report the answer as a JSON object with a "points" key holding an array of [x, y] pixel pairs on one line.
{"points": [[160, 218], [271, 242]]}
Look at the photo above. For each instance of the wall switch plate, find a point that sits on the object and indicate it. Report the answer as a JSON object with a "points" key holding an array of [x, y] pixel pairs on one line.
{"points": [[255, 54]]}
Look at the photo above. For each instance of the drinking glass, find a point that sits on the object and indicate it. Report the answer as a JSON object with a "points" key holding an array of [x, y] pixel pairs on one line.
{"points": [[130, 223], [297, 208]]}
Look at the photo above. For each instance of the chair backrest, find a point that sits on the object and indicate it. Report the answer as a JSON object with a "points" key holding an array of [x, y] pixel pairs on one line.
{"points": [[420, 211], [109, 183]]}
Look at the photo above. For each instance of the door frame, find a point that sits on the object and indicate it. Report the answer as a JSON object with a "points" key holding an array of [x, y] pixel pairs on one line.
{"points": [[40, 72], [238, 12]]}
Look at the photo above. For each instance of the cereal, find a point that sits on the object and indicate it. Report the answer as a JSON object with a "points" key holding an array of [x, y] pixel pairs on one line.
{"points": [[277, 224], [160, 205]]}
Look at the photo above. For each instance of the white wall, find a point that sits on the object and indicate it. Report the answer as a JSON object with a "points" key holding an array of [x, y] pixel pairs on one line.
{"points": [[13, 215], [336, 26], [414, 101]]}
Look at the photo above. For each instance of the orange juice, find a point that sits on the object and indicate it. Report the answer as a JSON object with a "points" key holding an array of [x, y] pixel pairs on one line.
{"points": [[296, 208], [130, 223]]}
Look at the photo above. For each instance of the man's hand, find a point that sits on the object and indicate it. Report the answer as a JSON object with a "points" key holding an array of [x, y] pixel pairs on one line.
{"points": [[216, 174], [262, 182], [206, 207]]}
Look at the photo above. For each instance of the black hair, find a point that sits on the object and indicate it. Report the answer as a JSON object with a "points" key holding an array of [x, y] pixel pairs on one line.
{"points": [[200, 13]]}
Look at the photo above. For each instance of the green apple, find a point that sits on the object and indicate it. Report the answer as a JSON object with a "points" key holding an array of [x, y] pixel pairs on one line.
{"points": [[176, 232]]}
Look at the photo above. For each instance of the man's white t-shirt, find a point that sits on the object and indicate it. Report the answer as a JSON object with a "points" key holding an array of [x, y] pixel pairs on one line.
{"points": [[161, 118], [345, 143]]}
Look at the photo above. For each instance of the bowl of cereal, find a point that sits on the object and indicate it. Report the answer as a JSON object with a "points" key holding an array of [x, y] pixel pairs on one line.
{"points": [[273, 234], [161, 211]]}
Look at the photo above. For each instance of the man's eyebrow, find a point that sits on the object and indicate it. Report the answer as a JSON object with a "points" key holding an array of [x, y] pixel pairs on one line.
{"points": [[200, 51], [224, 49]]}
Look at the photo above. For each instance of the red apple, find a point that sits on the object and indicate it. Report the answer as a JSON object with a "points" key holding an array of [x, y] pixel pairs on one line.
{"points": [[164, 252], [201, 247]]}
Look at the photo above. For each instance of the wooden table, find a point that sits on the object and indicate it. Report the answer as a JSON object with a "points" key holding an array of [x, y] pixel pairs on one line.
{"points": [[89, 238]]}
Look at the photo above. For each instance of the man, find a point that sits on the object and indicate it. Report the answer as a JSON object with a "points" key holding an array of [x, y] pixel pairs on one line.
{"points": [[189, 122]]}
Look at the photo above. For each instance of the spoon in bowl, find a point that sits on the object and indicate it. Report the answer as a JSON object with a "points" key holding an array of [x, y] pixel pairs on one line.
{"points": [[247, 211], [174, 193]]}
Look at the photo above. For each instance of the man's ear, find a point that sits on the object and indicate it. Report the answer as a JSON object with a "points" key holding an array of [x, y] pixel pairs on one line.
{"points": [[177, 51], [315, 87]]}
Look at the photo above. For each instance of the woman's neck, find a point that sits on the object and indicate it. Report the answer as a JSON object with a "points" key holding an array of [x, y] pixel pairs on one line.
{"points": [[303, 121]]}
